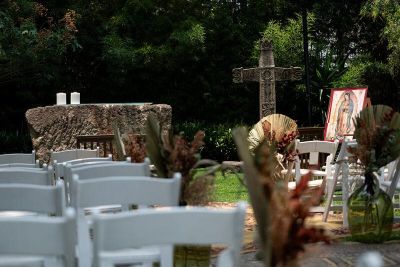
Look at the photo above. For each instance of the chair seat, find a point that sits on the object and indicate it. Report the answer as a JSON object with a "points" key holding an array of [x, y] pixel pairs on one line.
{"points": [[313, 183], [29, 261], [305, 171], [21, 261], [103, 209], [386, 184], [17, 214], [130, 256]]}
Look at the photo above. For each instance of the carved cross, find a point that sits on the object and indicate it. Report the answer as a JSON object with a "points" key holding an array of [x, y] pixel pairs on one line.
{"points": [[266, 74]]}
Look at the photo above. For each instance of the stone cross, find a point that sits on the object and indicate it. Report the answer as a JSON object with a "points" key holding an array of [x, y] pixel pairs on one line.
{"points": [[266, 74]]}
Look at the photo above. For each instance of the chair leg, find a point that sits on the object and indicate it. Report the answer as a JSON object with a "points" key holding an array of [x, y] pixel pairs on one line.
{"points": [[331, 189], [167, 256], [84, 243], [345, 192]]}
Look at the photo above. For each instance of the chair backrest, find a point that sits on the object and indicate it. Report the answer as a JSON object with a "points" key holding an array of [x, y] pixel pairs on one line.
{"points": [[119, 168], [29, 158], [20, 165], [67, 155], [59, 157], [52, 237], [344, 150], [394, 177], [177, 225], [98, 169], [314, 148], [27, 176], [105, 141], [120, 190], [33, 198], [85, 160], [60, 167]]}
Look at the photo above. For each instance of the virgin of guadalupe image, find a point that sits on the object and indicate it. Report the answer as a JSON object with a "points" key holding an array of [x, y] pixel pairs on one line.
{"points": [[344, 115]]}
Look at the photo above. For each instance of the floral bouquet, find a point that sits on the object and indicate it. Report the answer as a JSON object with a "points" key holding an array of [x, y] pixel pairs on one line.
{"points": [[280, 214], [377, 131], [173, 153]]}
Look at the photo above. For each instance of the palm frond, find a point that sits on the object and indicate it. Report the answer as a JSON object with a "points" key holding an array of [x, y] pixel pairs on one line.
{"points": [[276, 125], [119, 144], [377, 131], [154, 146], [258, 200]]}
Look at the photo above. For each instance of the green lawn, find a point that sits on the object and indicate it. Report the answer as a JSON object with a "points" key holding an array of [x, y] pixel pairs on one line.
{"points": [[228, 188]]}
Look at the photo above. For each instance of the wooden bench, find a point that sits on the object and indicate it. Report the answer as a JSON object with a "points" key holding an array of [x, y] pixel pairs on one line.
{"points": [[103, 141]]}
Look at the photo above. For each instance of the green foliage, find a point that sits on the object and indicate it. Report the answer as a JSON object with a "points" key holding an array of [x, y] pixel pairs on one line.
{"points": [[390, 12], [287, 41], [219, 144], [181, 53], [288, 51], [32, 42], [365, 72], [228, 188], [353, 77]]}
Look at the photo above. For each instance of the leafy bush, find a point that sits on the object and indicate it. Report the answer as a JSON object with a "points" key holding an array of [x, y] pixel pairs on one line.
{"points": [[375, 75], [15, 142], [219, 144]]}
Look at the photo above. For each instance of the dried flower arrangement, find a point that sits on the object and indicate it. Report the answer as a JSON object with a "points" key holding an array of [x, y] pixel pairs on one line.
{"points": [[377, 131], [280, 214], [172, 154], [137, 148]]}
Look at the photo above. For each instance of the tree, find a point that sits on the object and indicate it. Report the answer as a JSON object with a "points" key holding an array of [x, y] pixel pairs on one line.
{"points": [[33, 47]]}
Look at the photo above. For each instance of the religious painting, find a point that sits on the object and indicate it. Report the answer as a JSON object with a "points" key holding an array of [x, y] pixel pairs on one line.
{"points": [[344, 105]]}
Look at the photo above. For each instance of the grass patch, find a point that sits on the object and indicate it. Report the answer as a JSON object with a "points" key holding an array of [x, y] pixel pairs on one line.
{"points": [[395, 235], [228, 188]]}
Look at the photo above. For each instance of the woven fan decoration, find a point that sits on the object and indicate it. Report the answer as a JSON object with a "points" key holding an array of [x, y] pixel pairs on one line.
{"points": [[276, 125]]}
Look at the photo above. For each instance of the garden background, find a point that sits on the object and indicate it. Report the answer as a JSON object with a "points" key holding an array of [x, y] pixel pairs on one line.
{"points": [[182, 53]]}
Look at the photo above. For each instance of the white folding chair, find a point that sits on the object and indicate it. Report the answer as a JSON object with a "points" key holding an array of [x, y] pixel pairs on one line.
{"points": [[27, 176], [27, 199], [341, 169], [58, 157], [180, 225], [60, 166], [313, 148], [122, 190], [38, 241], [29, 158], [90, 170]]}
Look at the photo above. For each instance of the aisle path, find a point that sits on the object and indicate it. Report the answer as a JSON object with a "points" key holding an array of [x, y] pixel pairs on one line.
{"points": [[319, 255], [341, 254]]}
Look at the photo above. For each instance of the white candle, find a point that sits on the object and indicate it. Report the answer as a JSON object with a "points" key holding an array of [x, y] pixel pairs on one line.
{"points": [[75, 98], [61, 99]]}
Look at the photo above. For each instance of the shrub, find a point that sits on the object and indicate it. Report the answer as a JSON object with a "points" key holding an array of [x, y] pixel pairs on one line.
{"points": [[219, 144]]}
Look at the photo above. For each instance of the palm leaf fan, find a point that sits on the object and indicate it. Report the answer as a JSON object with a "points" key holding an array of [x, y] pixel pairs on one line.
{"points": [[377, 131], [258, 199], [277, 125], [154, 146], [119, 144]]}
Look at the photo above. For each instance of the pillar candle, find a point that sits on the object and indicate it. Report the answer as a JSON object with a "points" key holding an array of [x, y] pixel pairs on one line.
{"points": [[75, 98], [61, 99]]}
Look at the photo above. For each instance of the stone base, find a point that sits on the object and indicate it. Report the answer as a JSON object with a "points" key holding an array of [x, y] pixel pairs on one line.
{"points": [[56, 127]]}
